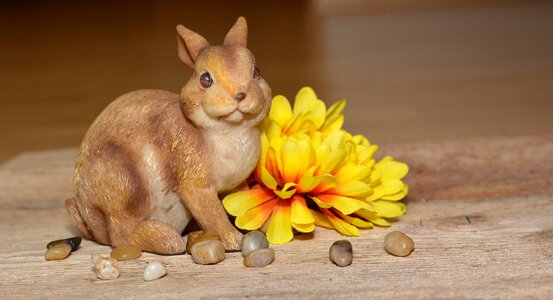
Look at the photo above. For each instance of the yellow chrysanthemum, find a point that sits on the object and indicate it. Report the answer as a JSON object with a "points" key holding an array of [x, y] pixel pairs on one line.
{"points": [[311, 172], [308, 116]]}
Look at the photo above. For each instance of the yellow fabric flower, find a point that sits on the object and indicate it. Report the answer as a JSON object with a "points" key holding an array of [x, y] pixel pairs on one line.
{"points": [[311, 172], [308, 116]]}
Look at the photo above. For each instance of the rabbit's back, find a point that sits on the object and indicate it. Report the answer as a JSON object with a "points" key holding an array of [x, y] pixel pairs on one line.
{"points": [[126, 166]]}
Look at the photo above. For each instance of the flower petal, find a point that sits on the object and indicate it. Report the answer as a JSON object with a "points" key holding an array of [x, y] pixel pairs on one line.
{"points": [[300, 213], [391, 169], [333, 125], [255, 217], [281, 111], [344, 204], [307, 103], [336, 140], [355, 221], [353, 171], [304, 228], [320, 203], [308, 183], [273, 165], [397, 196], [391, 187], [327, 182], [340, 225], [291, 161], [335, 110], [351, 188], [332, 160], [366, 153], [283, 194], [388, 209], [267, 179], [372, 217], [280, 228], [239, 202], [321, 220]]}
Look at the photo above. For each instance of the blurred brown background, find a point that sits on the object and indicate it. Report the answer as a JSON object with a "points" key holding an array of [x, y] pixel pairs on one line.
{"points": [[410, 70]]}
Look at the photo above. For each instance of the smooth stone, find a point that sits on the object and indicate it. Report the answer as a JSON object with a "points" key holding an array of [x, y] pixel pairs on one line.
{"points": [[74, 242], [125, 252], [341, 253], [252, 241], [106, 268], [198, 236], [260, 258], [398, 243], [57, 252], [154, 270], [208, 252]]}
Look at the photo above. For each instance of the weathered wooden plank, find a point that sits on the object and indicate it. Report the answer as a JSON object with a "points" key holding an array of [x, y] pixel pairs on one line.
{"points": [[478, 167], [464, 248]]}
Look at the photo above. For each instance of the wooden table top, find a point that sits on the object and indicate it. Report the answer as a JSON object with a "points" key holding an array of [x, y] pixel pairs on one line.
{"points": [[480, 212]]}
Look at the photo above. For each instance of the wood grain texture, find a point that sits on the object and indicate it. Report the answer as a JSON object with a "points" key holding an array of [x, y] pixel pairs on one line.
{"points": [[490, 235]]}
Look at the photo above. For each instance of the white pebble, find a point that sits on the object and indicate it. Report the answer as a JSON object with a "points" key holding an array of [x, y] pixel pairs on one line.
{"points": [[154, 270], [106, 268]]}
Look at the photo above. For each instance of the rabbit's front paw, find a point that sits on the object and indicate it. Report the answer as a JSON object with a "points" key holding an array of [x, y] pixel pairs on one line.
{"points": [[233, 241]]}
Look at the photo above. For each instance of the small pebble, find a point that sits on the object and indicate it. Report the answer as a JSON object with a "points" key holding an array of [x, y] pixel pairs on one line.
{"points": [[57, 252], [252, 241], [125, 252], [106, 268], [74, 242], [398, 243], [198, 236], [208, 252], [154, 270], [341, 253], [260, 258]]}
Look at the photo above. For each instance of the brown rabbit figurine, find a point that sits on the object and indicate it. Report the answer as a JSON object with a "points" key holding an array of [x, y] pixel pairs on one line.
{"points": [[152, 159]]}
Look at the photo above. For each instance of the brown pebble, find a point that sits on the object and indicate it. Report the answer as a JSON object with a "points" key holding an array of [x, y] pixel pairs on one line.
{"points": [[198, 236], [125, 252], [57, 252], [208, 252], [341, 253], [398, 243], [260, 258]]}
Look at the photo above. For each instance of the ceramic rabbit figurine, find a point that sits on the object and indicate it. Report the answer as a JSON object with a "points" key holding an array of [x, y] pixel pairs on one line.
{"points": [[152, 159]]}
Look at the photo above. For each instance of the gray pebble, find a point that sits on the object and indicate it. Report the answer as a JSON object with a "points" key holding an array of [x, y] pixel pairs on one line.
{"points": [[341, 253], [260, 258], [252, 241]]}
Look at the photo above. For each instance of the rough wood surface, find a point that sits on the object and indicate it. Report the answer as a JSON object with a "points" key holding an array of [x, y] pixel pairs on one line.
{"points": [[490, 235]]}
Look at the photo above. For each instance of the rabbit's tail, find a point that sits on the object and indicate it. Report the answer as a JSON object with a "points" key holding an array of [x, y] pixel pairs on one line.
{"points": [[99, 234]]}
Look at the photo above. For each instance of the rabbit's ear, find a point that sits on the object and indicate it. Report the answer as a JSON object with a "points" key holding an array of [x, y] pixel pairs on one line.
{"points": [[238, 34], [189, 45]]}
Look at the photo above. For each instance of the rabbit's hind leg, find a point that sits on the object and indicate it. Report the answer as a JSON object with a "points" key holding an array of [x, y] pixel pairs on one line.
{"points": [[158, 237], [73, 210]]}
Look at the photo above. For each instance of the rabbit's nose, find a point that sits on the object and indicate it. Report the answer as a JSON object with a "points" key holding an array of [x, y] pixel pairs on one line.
{"points": [[240, 96]]}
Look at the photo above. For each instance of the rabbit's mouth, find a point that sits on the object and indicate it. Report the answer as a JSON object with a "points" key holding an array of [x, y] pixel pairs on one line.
{"points": [[234, 117]]}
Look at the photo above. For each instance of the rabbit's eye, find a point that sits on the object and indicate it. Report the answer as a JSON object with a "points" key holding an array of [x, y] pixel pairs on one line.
{"points": [[206, 80], [256, 73]]}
